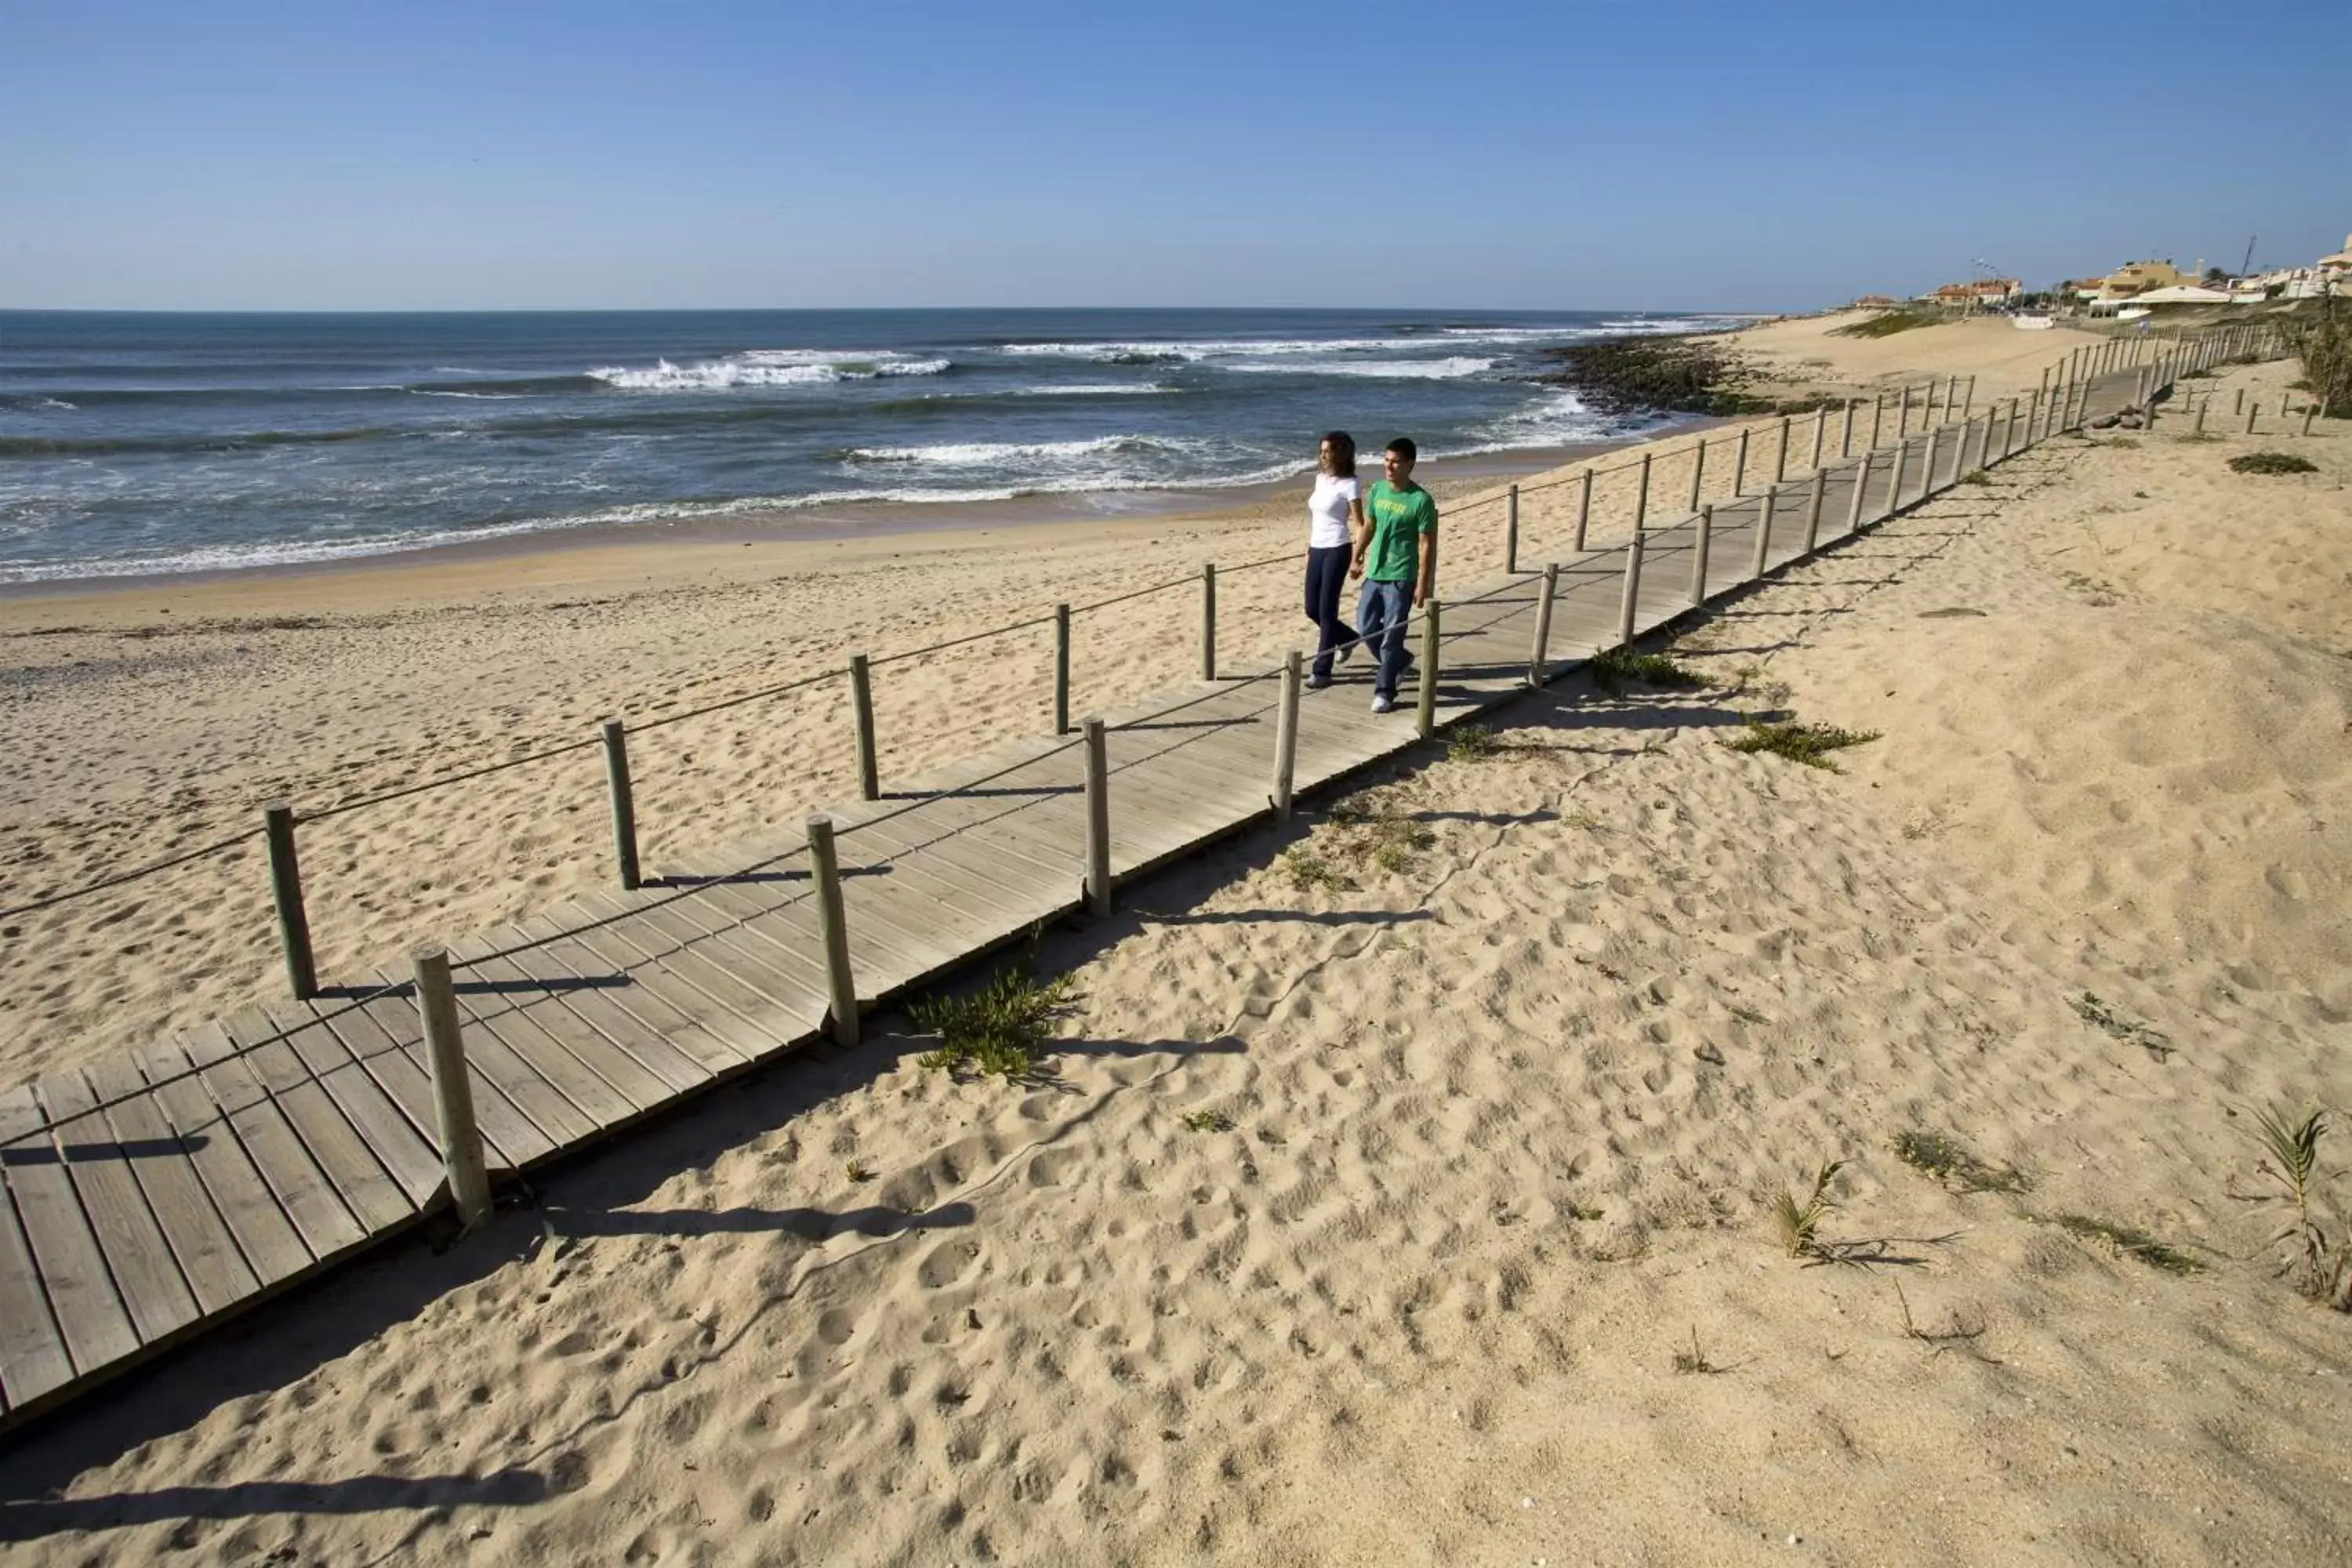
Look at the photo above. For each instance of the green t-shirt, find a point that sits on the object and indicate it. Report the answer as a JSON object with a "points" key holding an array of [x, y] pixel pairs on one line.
{"points": [[1400, 518]]}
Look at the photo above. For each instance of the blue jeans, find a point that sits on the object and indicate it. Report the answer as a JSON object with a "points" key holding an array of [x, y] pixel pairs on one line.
{"points": [[1383, 611]]}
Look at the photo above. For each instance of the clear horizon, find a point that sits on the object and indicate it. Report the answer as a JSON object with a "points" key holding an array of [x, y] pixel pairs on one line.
{"points": [[599, 157]]}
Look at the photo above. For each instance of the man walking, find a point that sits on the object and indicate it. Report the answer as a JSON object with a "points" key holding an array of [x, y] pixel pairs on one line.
{"points": [[1398, 561]]}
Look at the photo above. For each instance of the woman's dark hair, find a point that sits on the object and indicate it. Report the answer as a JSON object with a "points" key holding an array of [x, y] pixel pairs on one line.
{"points": [[1343, 454]]}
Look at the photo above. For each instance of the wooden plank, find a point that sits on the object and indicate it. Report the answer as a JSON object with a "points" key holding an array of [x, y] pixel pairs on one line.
{"points": [[34, 1359], [292, 1176], [403, 1147], [510, 1100], [265, 1234], [82, 1295], [566, 1005], [715, 1038], [1013, 887], [1031, 832], [972, 909], [146, 1276], [882, 957], [604, 1087], [705, 930], [771, 999], [360, 1175]]}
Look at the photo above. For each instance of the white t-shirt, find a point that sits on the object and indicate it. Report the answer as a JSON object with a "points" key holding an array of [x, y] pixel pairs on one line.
{"points": [[1327, 510]]}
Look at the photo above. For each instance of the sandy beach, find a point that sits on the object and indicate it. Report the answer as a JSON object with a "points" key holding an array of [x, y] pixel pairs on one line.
{"points": [[1487, 1280]]}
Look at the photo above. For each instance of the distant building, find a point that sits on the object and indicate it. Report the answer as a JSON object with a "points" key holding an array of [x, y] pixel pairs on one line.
{"points": [[2335, 271], [2135, 277], [1981, 293], [1877, 302]]}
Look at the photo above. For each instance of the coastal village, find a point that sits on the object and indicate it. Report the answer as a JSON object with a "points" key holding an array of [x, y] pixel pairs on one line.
{"points": [[2138, 286]]}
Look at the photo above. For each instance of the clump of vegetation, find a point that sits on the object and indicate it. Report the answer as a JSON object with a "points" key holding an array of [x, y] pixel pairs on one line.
{"points": [[1800, 1223], [1309, 869], [2323, 341], [1000, 1028], [2320, 1269], [1889, 323], [1948, 1161], [2273, 463], [1976, 477], [1612, 667], [1396, 839], [1688, 375], [2101, 1016], [1807, 743], [1470, 743], [858, 1171], [1207, 1121], [1693, 1360], [2130, 1240]]}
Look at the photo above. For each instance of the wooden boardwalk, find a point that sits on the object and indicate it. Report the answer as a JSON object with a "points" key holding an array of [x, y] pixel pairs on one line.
{"points": [[151, 1195]]}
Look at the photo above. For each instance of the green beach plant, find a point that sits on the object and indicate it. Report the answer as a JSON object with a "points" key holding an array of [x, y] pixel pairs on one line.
{"points": [[997, 1029], [1949, 1161], [1800, 1223], [2320, 1269], [2273, 463], [1807, 743], [1612, 667]]}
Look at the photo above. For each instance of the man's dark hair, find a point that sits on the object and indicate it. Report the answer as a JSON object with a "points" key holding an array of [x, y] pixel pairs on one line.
{"points": [[1403, 447], [1343, 453]]}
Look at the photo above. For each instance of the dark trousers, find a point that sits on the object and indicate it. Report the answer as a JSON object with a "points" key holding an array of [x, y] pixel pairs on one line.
{"points": [[1326, 580]]}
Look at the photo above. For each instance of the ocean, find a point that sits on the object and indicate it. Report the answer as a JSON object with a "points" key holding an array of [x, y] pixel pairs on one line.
{"points": [[139, 444]]}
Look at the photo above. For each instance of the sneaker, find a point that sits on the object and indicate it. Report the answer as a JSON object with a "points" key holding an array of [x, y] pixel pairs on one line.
{"points": [[1348, 650], [1383, 704], [1318, 681]]}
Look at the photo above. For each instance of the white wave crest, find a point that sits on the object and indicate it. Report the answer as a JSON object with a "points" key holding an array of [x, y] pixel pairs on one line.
{"points": [[1093, 389], [767, 367], [1206, 348], [1019, 454], [1453, 368]]}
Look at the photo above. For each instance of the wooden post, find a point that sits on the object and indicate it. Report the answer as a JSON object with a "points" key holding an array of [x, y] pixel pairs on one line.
{"points": [[1285, 737], [1861, 490], [1630, 601], [1894, 483], [1763, 532], [2239, 407], [1845, 431], [1511, 533], [2310, 412], [453, 1091], [1878, 418], [1698, 472], [1097, 882], [1425, 710], [1740, 465], [833, 929], [286, 888], [1968, 399], [2032, 423], [1208, 620], [861, 703], [1700, 548], [1539, 671], [1780, 454], [1927, 479], [1062, 670], [2254, 412], [1583, 507], [1813, 509], [1902, 418], [624, 808], [1821, 430], [1642, 496], [2045, 379], [2203, 405]]}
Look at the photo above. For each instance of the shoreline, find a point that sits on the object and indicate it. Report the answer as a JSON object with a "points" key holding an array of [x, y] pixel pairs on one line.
{"points": [[596, 553]]}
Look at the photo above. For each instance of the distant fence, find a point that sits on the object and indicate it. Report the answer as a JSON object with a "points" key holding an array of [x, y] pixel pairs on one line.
{"points": [[1689, 471]]}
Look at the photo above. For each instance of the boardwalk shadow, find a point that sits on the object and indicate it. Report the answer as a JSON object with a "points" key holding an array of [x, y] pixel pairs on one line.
{"points": [[358, 1494], [102, 1150], [1303, 917]]}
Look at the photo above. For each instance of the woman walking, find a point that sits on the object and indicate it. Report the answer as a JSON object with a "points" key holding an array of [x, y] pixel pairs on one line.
{"points": [[1335, 513]]}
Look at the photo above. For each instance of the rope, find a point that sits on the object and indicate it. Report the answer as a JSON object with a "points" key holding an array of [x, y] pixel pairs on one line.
{"points": [[877, 663], [116, 881], [407, 790], [721, 706]]}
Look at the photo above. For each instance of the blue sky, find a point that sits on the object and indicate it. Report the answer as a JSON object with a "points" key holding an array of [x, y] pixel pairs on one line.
{"points": [[1753, 156]]}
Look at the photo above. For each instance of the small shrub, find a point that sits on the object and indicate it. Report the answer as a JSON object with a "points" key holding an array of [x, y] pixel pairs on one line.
{"points": [[1469, 743], [1976, 477], [2320, 1269], [997, 1029], [858, 1171], [1395, 840], [1207, 1121], [1309, 869], [2273, 463], [1807, 743], [1612, 668], [2127, 1239], [1800, 1223], [2106, 1019], [1693, 1360], [1949, 1161]]}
